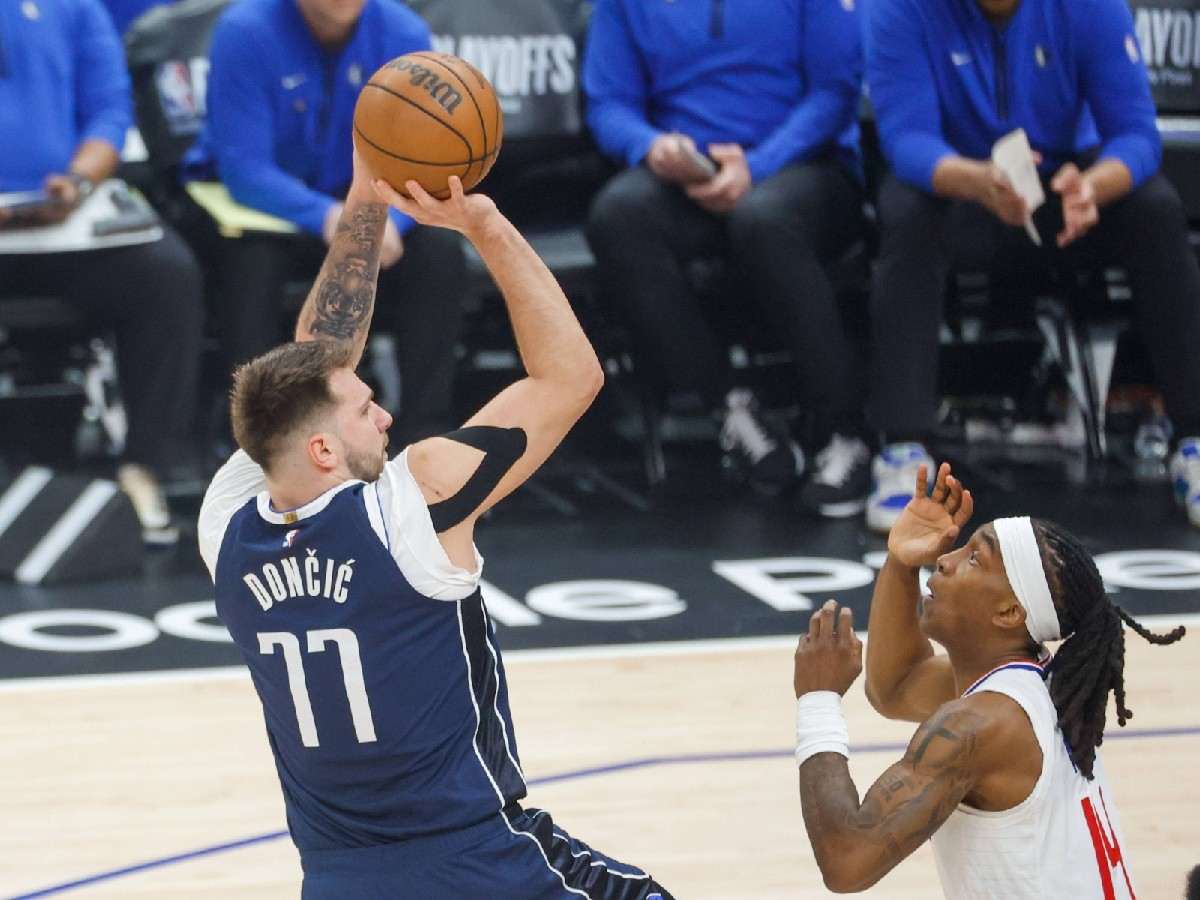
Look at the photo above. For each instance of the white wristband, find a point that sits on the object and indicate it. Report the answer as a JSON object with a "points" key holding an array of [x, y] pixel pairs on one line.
{"points": [[820, 726]]}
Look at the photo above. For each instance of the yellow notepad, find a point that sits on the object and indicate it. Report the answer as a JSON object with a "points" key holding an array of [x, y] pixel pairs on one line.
{"points": [[231, 217]]}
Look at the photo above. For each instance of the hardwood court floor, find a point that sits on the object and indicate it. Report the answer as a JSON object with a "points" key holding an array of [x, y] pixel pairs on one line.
{"points": [[103, 775]]}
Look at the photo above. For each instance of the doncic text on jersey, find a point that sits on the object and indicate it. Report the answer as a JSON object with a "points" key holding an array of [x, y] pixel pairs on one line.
{"points": [[293, 577]]}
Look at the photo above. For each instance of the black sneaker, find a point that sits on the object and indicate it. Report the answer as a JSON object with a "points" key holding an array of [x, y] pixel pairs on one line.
{"points": [[841, 481], [757, 449]]}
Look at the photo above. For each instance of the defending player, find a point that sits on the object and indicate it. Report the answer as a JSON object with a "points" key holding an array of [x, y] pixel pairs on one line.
{"points": [[1003, 773], [350, 582]]}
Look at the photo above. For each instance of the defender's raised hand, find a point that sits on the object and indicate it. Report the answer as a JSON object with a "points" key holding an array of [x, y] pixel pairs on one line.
{"points": [[829, 657], [932, 521]]}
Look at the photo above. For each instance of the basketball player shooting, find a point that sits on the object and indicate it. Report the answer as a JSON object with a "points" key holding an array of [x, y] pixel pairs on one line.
{"points": [[350, 583], [1003, 773]]}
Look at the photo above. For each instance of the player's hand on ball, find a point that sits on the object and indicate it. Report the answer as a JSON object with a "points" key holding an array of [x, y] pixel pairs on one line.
{"points": [[465, 213], [932, 521], [829, 657]]}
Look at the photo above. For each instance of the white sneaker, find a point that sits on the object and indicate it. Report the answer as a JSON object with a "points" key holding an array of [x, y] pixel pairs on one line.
{"points": [[841, 480], [893, 476], [1185, 477], [758, 449], [149, 502]]}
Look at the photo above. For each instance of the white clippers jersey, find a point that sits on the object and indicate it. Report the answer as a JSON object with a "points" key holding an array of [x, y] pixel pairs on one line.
{"points": [[1063, 840]]}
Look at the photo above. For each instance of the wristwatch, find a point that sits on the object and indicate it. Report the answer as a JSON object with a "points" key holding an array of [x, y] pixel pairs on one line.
{"points": [[83, 185]]}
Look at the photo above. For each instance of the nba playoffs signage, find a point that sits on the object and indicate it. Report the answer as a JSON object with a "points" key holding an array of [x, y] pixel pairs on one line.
{"points": [[528, 49], [726, 598], [1168, 34]]}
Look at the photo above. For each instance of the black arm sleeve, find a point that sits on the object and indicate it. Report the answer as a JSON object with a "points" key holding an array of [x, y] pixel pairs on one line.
{"points": [[501, 447]]}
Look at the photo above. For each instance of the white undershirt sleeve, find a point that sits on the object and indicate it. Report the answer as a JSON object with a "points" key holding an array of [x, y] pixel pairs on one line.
{"points": [[400, 516], [235, 483]]}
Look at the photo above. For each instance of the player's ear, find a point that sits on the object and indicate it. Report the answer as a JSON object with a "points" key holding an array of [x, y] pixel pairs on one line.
{"points": [[1009, 614], [323, 451]]}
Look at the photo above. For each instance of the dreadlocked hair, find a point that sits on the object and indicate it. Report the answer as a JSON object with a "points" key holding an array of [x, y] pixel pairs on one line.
{"points": [[1091, 661]]}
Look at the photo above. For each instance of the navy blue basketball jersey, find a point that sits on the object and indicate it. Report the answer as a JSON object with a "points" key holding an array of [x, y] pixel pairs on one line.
{"points": [[381, 683]]}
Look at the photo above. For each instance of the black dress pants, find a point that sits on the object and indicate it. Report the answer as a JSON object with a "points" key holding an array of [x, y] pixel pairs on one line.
{"points": [[150, 295], [780, 236], [923, 236], [419, 300]]}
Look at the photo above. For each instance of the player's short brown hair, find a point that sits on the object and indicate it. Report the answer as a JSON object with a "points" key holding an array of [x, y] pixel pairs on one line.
{"points": [[276, 393]]}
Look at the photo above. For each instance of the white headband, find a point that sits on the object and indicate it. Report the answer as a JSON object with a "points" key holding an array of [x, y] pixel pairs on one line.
{"points": [[1023, 566]]}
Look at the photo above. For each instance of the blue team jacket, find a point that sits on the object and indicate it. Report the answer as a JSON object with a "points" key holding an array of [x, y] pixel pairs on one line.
{"points": [[944, 81], [280, 108], [62, 81], [780, 77]]}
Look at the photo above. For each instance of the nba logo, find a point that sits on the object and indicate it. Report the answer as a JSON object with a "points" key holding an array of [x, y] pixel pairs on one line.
{"points": [[290, 537], [1131, 48], [174, 83]]}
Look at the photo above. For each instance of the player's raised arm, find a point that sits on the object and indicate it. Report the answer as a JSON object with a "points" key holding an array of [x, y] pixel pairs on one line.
{"points": [[855, 843], [904, 678], [527, 420], [342, 299]]}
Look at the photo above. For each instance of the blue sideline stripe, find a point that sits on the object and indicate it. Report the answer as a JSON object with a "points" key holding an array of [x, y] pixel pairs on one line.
{"points": [[575, 775]]}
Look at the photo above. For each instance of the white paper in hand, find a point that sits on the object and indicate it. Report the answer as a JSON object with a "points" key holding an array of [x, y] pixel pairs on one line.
{"points": [[1013, 156]]}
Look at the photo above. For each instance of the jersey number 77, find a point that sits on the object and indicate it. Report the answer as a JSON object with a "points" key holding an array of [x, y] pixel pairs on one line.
{"points": [[352, 675]]}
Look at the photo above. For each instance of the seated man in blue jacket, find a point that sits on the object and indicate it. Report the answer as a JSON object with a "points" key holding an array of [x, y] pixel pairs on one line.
{"points": [[769, 90], [284, 78], [65, 106], [948, 78]]}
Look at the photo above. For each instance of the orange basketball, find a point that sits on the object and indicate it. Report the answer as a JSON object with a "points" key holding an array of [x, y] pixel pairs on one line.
{"points": [[426, 116]]}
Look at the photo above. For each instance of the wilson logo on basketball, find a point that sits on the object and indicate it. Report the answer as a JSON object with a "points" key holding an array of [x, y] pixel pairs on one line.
{"points": [[426, 117], [441, 91]]}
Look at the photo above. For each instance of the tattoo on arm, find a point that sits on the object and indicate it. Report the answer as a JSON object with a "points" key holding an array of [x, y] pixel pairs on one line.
{"points": [[901, 811], [930, 731], [342, 300]]}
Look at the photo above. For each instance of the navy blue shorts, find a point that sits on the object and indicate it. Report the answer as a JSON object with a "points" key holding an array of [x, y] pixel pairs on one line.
{"points": [[521, 855]]}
